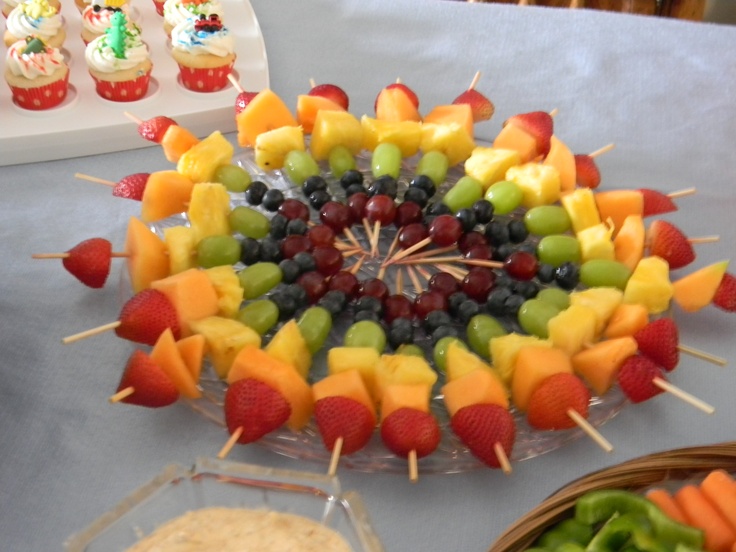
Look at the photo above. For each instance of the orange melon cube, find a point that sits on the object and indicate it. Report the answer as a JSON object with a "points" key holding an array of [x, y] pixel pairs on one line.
{"points": [[533, 365], [362, 359], [191, 350], [697, 289], [626, 319], [253, 362], [192, 294], [225, 338], [476, 387], [347, 384], [147, 260], [393, 104], [167, 193], [460, 114], [598, 365], [628, 245], [166, 354], [176, 141], [561, 158], [616, 205], [405, 395], [308, 106], [402, 369], [513, 138], [265, 112]]}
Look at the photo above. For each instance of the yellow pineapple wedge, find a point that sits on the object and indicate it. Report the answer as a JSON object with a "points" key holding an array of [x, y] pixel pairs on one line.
{"points": [[332, 129], [540, 184], [405, 134], [200, 162], [362, 359], [489, 165], [581, 208], [272, 146], [227, 286], [603, 300], [451, 139], [288, 345], [181, 248], [403, 369], [460, 361], [596, 242], [650, 285], [225, 338], [573, 329], [504, 349], [208, 210]]}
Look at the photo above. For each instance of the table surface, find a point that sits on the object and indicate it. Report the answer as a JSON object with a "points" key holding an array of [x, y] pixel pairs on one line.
{"points": [[661, 90]]}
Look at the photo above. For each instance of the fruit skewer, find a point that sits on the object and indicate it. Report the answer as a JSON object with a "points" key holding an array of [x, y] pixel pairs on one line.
{"points": [[89, 261], [130, 187]]}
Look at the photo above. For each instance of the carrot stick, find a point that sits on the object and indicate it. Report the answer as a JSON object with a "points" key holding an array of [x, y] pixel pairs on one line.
{"points": [[667, 504], [700, 513], [720, 488]]}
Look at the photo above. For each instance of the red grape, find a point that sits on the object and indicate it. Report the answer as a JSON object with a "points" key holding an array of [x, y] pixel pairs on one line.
{"points": [[314, 284], [397, 306], [469, 239], [429, 301], [445, 230], [321, 235], [406, 213], [479, 251], [356, 204], [444, 283], [346, 282], [411, 234], [380, 208], [293, 244], [294, 209], [335, 215], [478, 283], [521, 265], [375, 288], [328, 259]]}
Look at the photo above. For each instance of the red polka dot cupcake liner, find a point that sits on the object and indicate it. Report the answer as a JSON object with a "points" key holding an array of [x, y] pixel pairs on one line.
{"points": [[40, 98], [123, 91], [210, 79]]}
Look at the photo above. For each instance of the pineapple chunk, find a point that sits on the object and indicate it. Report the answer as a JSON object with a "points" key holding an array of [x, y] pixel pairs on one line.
{"points": [[208, 210], [603, 300], [403, 369], [273, 145], [405, 134], [504, 349], [227, 286], [540, 184], [332, 129], [289, 346], [451, 139], [573, 328], [596, 242], [489, 165], [225, 338], [362, 359], [581, 208], [650, 285], [180, 245], [200, 162]]}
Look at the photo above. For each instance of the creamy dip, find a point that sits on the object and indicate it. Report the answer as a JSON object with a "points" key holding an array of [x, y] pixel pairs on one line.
{"points": [[241, 530]]}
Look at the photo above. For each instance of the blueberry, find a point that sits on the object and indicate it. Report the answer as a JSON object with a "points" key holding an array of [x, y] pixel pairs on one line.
{"points": [[467, 219], [305, 261], [435, 319], [351, 177], [567, 275], [483, 210], [467, 310], [298, 293], [334, 301], [369, 303], [400, 332], [312, 184], [517, 231], [318, 198], [271, 250], [286, 304], [272, 200], [527, 289], [425, 183], [497, 299], [501, 252], [296, 226], [290, 270], [438, 208], [497, 233], [354, 189], [278, 226], [416, 195], [455, 300], [546, 273], [250, 251], [444, 331], [383, 185], [255, 192], [512, 304], [366, 315]]}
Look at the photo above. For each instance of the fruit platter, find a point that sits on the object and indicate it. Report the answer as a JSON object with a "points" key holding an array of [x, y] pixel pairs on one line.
{"points": [[383, 292]]}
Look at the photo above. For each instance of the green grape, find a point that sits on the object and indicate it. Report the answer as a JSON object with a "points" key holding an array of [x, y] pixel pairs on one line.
{"points": [[604, 273], [366, 333], [558, 249], [434, 164], [505, 196], [481, 328], [439, 354], [341, 160], [545, 220], [300, 165], [386, 159], [463, 194], [534, 314], [259, 278], [555, 296], [249, 222], [410, 349], [260, 315], [217, 251], [315, 324], [234, 177]]}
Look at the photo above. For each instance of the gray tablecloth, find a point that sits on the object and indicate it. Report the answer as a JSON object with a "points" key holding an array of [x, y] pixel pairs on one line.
{"points": [[661, 90]]}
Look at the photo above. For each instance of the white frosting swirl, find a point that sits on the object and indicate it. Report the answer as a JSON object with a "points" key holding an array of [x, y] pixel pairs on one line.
{"points": [[97, 21], [184, 38], [21, 25], [176, 11], [11, 3], [33, 65], [100, 56]]}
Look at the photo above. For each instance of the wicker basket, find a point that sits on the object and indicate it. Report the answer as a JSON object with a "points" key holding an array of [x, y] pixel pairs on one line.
{"points": [[636, 474], [679, 9]]}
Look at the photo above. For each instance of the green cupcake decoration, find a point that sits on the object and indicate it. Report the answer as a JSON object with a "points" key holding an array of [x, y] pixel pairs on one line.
{"points": [[116, 34]]}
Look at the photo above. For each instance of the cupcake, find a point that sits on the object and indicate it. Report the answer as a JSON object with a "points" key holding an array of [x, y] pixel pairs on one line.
{"points": [[176, 11], [205, 52], [119, 62], [35, 18], [37, 74], [9, 5], [96, 18]]}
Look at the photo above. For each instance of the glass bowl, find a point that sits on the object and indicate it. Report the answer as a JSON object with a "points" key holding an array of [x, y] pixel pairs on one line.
{"points": [[217, 483]]}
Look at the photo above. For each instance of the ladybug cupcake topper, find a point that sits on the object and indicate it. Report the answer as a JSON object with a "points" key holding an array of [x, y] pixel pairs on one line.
{"points": [[210, 24]]}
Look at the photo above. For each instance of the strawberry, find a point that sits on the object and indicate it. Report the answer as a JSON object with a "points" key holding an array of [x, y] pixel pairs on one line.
{"points": [[668, 242], [481, 106], [656, 203], [153, 129], [255, 407], [636, 378], [331, 92], [539, 124], [131, 186], [408, 429], [587, 174], [145, 316], [658, 341], [725, 297], [151, 386], [555, 396], [408, 91], [481, 426], [89, 261], [243, 99], [347, 418]]}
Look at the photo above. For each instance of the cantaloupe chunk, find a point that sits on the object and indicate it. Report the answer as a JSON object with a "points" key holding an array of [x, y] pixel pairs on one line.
{"points": [[628, 245], [253, 362], [191, 350], [147, 260], [513, 138], [532, 366], [616, 205], [598, 365], [167, 193], [392, 369], [192, 294], [335, 128], [289, 346], [266, 111], [225, 338], [180, 244], [503, 350], [460, 114], [697, 289], [405, 395], [362, 359], [307, 108], [393, 104], [573, 328], [627, 319], [166, 354], [176, 141], [405, 134], [477, 387], [348, 384], [209, 207], [228, 289], [562, 159]]}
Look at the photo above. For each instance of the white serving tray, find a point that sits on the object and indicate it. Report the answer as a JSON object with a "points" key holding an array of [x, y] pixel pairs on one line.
{"points": [[86, 124]]}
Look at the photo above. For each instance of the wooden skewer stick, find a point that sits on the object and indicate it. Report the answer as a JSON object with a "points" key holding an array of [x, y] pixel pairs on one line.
{"points": [[132, 117], [312, 82], [704, 239], [455, 271], [393, 246], [414, 280], [335, 458], [356, 267], [227, 447], [413, 468], [351, 237], [351, 252], [592, 432], [554, 112], [681, 193], [575, 4], [432, 252], [91, 332], [409, 250], [702, 355], [475, 80], [122, 394], [95, 179], [601, 151], [368, 233], [683, 395], [64, 255], [503, 460], [375, 237], [400, 281], [423, 273], [235, 83], [452, 259]]}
